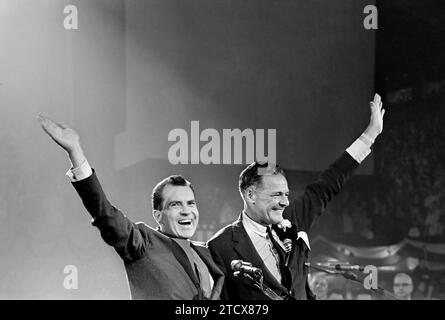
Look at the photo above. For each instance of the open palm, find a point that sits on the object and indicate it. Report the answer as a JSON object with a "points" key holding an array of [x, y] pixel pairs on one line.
{"points": [[377, 113], [65, 137]]}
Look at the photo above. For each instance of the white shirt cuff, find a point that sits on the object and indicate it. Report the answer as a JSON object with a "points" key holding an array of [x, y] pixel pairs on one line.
{"points": [[360, 149], [81, 172]]}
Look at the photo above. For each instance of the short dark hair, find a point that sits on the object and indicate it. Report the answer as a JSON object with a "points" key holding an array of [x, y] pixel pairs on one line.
{"points": [[174, 180], [252, 176]]}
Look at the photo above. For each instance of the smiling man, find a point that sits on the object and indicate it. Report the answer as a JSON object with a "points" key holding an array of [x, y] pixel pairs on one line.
{"points": [[160, 263], [174, 207], [258, 236]]}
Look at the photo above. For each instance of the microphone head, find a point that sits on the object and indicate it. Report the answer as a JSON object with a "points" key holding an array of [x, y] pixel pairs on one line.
{"points": [[287, 245], [235, 265], [258, 273], [246, 269]]}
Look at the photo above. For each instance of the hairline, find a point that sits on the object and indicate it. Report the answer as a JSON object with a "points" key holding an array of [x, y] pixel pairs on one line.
{"points": [[260, 183], [188, 185]]}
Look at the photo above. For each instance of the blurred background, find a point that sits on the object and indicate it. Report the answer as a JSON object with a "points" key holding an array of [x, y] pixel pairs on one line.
{"points": [[136, 69]]}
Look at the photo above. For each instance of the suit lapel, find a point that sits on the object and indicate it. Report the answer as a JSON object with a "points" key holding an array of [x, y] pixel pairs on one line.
{"points": [[246, 250], [205, 255], [181, 256], [215, 272]]}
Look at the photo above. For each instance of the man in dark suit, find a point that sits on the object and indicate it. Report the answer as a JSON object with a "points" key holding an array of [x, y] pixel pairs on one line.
{"points": [[280, 247], [160, 263]]}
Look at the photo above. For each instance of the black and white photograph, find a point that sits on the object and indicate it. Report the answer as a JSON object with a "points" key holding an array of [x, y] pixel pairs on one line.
{"points": [[229, 150]]}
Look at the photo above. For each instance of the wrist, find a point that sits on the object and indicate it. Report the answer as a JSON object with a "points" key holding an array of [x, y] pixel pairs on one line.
{"points": [[370, 133], [76, 156], [366, 139]]}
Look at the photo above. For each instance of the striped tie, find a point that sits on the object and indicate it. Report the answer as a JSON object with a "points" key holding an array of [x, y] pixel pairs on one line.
{"points": [[273, 248]]}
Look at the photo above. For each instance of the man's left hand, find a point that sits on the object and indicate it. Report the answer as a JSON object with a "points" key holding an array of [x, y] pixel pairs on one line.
{"points": [[375, 126]]}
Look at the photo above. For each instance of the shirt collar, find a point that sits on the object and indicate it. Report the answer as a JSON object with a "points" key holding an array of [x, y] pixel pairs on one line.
{"points": [[253, 226]]}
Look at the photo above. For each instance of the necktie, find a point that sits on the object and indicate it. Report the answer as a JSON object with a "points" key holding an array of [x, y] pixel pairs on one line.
{"points": [[198, 266], [275, 246], [284, 270], [202, 274]]}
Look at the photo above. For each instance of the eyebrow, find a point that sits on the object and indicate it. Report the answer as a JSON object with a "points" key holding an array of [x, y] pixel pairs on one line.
{"points": [[280, 192], [179, 201], [172, 202]]}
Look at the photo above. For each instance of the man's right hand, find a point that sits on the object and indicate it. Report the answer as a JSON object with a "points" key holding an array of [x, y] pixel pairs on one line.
{"points": [[65, 137]]}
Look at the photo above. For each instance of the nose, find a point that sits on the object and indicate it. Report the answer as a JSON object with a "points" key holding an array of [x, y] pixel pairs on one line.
{"points": [[284, 201], [186, 210]]}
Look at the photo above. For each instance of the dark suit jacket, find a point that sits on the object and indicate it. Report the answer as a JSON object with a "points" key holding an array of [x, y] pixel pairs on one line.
{"points": [[233, 242], [157, 267]]}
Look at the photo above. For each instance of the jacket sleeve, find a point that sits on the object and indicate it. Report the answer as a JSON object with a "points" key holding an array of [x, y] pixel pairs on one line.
{"points": [[305, 209], [115, 228]]}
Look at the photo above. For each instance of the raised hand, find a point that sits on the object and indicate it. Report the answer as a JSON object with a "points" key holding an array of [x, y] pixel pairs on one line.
{"points": [[375, 126], [65, 137]]}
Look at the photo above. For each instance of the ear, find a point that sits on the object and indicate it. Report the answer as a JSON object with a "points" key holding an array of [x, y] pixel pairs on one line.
{"points": [[157, 215], [250, 195]]}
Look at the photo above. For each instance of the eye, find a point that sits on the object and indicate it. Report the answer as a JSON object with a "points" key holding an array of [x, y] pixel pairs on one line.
{"points": [[174, 205], [279, 195]]}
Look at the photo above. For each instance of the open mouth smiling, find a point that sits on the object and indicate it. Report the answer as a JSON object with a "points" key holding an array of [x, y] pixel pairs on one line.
{"points": [[185, 222]]}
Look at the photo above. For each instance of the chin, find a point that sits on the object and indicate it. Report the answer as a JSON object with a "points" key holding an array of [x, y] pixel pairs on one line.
{"points": [[277, 221], [275, 218], [187, 234]]}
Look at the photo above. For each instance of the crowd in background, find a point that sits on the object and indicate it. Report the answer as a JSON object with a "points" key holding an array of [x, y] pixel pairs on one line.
{"points": [[412, 167], [407, 195], [401, 286], [404, 198]]}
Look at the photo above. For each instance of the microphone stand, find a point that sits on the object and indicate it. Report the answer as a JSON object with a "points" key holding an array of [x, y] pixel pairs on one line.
{"points": [[353, 277], [258, 282]]}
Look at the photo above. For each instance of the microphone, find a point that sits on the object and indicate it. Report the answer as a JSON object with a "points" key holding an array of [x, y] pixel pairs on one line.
{"points": [[334, 269], [246, 268], [353, 267], [288, 248], [342, 267], [287, 245]]}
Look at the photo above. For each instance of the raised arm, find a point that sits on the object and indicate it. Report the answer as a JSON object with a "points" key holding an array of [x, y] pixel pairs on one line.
{"points": [[116, 229], [303, 210]]}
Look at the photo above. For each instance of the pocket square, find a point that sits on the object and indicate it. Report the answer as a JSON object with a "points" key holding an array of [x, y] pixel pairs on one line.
{"points": [[303, 235]]}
